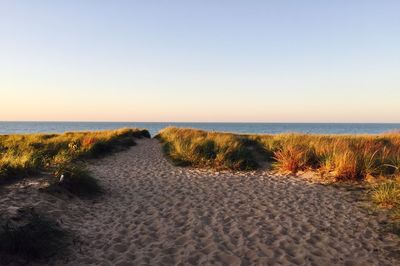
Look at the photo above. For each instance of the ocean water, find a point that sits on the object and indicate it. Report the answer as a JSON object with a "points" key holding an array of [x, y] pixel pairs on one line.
{"points": [[154, 128]]}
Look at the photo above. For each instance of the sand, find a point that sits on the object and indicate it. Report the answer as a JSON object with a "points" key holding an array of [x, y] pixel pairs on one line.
{"points": [[154, 213]]}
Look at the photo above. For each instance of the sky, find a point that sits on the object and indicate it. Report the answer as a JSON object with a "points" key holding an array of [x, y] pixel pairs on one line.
{"points": [[200, 61]]}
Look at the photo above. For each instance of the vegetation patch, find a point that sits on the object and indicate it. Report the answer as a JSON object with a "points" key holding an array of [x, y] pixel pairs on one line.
{"points": [[26, 235], [207, 149], [345, 157], [386, 196], [22, 155], [75, 179]]}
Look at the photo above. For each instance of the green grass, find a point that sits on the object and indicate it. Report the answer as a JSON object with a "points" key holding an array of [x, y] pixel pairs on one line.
{"points": [[351, 157], [345, 157], [33, 236], [386, 195], [26, 155], [206, 149]]}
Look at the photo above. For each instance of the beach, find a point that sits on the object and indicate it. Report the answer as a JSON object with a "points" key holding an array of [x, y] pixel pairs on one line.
{"points": [[155, 213], [227, 133]]}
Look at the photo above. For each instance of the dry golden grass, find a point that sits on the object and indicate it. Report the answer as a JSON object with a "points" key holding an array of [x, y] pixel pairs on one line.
{"points": [[38, 236], [21, 155], [208, 149], [350, 157], [345, 157], [387, 194]]}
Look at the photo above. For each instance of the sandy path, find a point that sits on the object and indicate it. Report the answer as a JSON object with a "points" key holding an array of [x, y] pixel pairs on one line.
{"points": [[156, 214]]}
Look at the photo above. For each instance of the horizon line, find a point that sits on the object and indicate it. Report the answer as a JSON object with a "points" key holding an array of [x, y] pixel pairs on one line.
{"points": [[192, 122]]}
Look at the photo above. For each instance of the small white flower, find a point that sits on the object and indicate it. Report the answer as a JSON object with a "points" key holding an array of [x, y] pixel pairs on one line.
{"points": [[61, 178]]}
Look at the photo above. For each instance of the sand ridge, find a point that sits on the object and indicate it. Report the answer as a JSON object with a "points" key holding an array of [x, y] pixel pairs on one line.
{"points": [[154, 213]]}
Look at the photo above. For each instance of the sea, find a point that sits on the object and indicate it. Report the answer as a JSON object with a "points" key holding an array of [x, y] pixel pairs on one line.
{"points": [[155, 127]]}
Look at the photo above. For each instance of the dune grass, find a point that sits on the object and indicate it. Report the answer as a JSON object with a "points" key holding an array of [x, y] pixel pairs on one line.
{"points": [[27, 154], [207, 149], [29, 236], [343, 157], [346, 157], [77, 180], [32, 236], [386, 195]]}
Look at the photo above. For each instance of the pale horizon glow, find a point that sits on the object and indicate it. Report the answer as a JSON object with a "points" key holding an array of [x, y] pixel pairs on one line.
{"points": [[204, 61]]}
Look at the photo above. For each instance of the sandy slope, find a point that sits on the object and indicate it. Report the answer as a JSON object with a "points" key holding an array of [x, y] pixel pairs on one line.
{"points": [[156, 214]]}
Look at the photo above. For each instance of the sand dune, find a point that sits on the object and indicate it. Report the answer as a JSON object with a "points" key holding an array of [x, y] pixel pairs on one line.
{"points": [[156, 214]]}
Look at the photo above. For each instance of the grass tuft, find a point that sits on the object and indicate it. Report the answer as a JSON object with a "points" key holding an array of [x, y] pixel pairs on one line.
{"points": [[77, 180], [291, 158], [387, 195]]}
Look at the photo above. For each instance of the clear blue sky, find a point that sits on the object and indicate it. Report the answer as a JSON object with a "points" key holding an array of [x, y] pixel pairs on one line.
{"points": [[265, 61]]}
